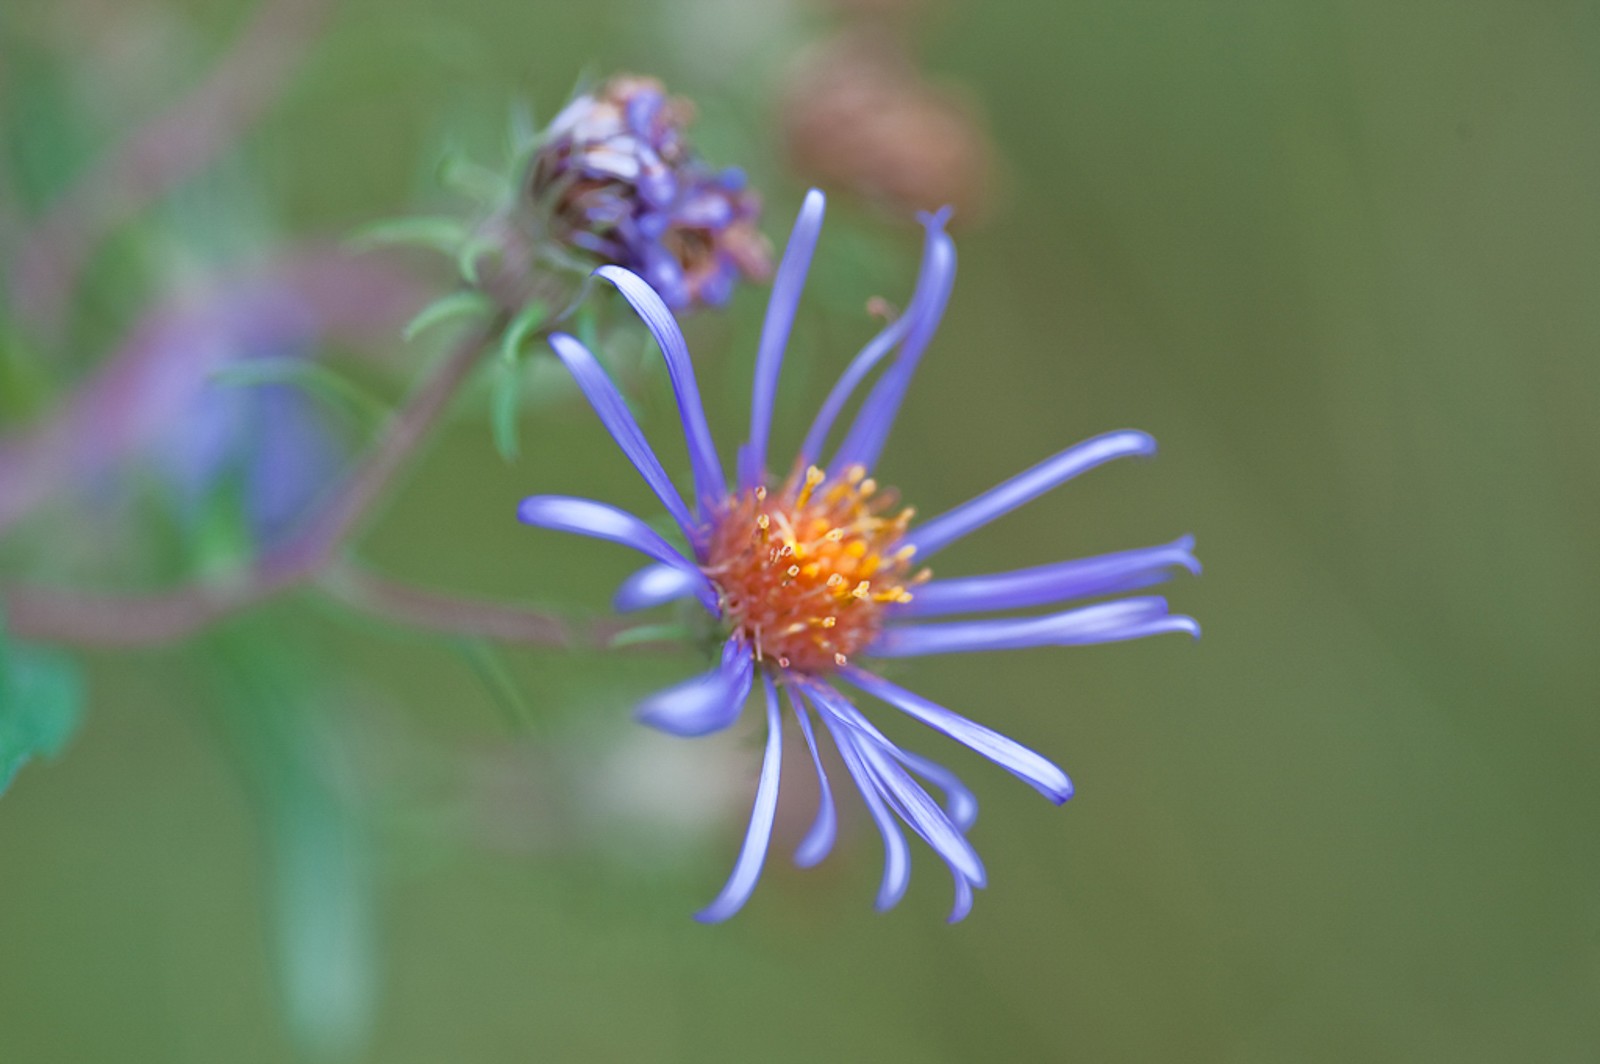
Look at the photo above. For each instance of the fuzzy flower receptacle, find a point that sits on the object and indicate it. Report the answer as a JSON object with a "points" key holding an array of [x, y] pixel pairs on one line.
{"points": [[811, 573], [618, 180]]}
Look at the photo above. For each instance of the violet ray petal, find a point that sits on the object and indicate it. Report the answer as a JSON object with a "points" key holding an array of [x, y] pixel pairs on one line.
{"points": [[1023, 488], [963, 903], [655, 585], [896, 854], [1032, 768], [930, 823], [613, 411], [819, 840], [924, 815], [781, 306], [1105, 622], [848, 382], [586, 517], [865, 440], [1104, 574], [959, 802], [708, 478], [708, 703], [747, 869], [909, 799], [870, 355]]}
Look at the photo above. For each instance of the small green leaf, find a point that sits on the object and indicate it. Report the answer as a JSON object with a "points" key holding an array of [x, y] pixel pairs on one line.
{"points": [[460, 174], [504, 405], [438, 233], [294, 755], [314, 377], [491, 669], [469, 254], [41, 704], [522, 326], [448, 308], [651, 633], [522, 138], [588, 327]]}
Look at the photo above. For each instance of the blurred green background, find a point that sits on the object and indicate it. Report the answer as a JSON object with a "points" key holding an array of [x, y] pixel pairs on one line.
{"points": [[1341, 259]]}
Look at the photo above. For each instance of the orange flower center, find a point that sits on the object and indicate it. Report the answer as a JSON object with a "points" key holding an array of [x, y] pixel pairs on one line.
{"points": [[804, 573]]}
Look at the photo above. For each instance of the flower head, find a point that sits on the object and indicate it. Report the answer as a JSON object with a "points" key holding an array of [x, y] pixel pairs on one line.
{"points": [[809, 572], [619, 180]]}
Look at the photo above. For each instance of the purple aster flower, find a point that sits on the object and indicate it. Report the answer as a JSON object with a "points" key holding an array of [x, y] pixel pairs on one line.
{"points": [[271, 440], [618, 180], [808, 573]]}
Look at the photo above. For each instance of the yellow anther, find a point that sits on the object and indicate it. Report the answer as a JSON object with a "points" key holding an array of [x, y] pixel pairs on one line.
{"points": [[814, 476], [834, 535], [829, 621], [761, 494], [793, 571], [867, 487], [861, 590], [840, 660], [836, 581], [855, 474], [857, 548], [763, 522], [906, 553]]}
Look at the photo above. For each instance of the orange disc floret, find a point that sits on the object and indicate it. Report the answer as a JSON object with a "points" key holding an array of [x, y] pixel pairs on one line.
{"points": [[804, 572]]}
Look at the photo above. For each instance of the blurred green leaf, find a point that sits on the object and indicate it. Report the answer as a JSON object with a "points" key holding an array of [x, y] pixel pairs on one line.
{"points": [[491, 669], [41, 705], [505, 398], [312, 376], [587, 326], [441, 234], [321, 881], [447, 308], [503, 409], [470, 252], [651, 633], [460, 174], [522, 326]]}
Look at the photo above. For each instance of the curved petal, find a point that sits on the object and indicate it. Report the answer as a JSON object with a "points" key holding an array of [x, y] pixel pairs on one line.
{"points": [[1023, 488], [705, 704], [586, 517], [818, 842], [896, 855], [1033, 769], [597, 388], [747, 869], [781, 307], [906, 794], [655, 585], [879, 346], [1104, 574], [963, 904], [1105, 622], [708, 479], [962, 803], [959, 802], [867, 434]]}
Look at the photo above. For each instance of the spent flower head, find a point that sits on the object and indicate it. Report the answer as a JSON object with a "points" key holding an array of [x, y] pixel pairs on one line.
{"points": [[811, 570], [616, 178]]}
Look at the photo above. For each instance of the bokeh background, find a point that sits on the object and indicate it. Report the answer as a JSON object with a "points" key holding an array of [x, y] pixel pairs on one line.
{"points": [[1341, 258]]}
